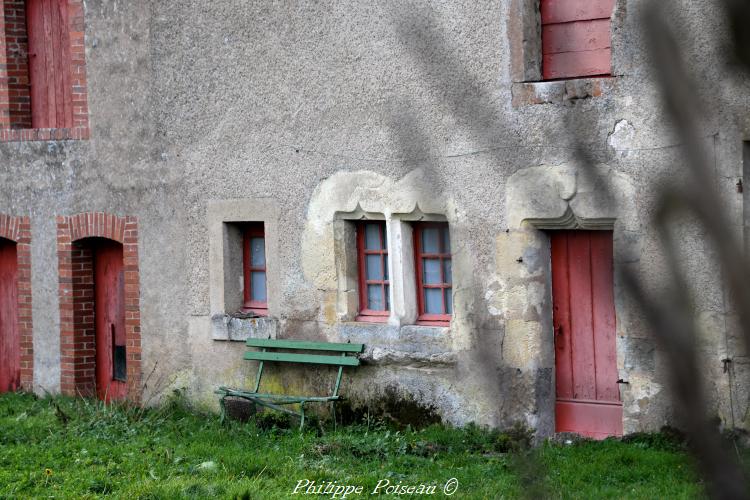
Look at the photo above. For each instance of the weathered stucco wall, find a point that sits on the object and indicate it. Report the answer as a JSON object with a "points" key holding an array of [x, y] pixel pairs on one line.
{"points": [[299, 113]]}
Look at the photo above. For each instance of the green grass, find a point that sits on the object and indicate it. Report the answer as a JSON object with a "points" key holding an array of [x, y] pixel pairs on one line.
{"points": [[88, 450]]}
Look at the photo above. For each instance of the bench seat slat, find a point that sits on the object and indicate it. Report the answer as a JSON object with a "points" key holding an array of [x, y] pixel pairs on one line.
{"points": [[278, 397], [305, 345], [314, 359]]}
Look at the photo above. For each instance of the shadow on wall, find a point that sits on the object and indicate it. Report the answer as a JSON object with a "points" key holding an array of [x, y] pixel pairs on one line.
{"points": [[398, 408], [670, 314]]}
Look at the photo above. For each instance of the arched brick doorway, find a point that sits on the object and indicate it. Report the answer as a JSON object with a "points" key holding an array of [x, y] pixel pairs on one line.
{"points": [[16, 344], [99, 306]]}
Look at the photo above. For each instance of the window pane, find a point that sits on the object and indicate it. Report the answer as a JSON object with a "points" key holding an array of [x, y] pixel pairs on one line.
{"points": [[430, 240], [431, 272], [257, 252], [385, 268], [375, 298], [447, 271], [258, 286], [433, 301], [448, 300], [374, 269], [446, 241], [372, 236], [387, 299]]}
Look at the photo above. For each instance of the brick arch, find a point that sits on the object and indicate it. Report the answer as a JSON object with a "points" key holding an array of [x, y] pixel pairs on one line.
{"points": [[18, 230], [77, 352]]}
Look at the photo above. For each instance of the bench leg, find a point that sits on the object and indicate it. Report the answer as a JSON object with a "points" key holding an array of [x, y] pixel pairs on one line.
{"points": [[223, 410], [333, 414], [302, 415]]}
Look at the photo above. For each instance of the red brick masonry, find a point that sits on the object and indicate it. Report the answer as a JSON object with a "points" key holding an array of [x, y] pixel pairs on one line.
{"points": [[75, 265], [18, 229]]}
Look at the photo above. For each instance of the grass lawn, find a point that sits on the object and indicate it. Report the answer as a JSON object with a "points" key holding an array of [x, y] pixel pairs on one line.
{"points": [[72, 448]]}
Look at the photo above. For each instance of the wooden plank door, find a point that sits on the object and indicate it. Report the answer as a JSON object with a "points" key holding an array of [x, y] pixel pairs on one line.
{"points": [[576, 39], [109, 315], [10, 347], [588, 396], [49, 63]]}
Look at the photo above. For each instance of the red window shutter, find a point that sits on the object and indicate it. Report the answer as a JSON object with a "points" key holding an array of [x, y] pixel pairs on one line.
{"points": [[372, 263], [564, 11], [576, 39], [49, 63]]}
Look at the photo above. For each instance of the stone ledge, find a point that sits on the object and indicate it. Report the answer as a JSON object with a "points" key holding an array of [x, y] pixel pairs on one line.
{"points": [[409, 345], [44, 134], [226, 327], [560, 91], [396, 356]]}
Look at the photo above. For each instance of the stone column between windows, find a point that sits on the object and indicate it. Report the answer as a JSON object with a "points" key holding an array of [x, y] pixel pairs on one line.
{"points": [[401, 273]]}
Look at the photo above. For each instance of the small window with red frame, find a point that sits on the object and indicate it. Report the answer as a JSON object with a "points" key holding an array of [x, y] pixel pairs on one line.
{"points": [[372, 262], [432, 251], [254, 266]]}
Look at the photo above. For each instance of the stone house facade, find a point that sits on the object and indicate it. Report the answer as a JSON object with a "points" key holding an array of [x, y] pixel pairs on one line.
{"points": [[189, 122]]}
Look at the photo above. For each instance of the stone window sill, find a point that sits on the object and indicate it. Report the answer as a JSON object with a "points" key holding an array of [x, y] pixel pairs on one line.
{"points": [[424, 331], [397, 332], [44, 134], [560, 91], [371, 319], [228, 327]]}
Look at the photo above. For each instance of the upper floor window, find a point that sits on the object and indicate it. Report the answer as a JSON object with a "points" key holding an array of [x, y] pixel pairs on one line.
{"points": [[372, 264], [432, 251], [576, 40], [254, 265], [44, 76]]}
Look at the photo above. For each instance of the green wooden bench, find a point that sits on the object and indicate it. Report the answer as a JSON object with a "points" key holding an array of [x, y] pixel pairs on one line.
{"points": [[283, 352]]}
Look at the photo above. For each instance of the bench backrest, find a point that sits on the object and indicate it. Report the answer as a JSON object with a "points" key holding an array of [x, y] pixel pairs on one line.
{"points": [[341, 360], [304, 345]]}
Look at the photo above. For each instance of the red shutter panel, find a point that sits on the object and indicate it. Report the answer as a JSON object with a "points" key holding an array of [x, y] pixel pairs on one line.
{"points": [[565, 11], [49, 63], [61, 57], [37, 64], [576, 38]]}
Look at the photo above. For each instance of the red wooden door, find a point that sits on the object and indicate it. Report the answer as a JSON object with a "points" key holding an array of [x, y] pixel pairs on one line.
{"points": [[49, 63], [588, 396], [10, 348], [109, 315]]}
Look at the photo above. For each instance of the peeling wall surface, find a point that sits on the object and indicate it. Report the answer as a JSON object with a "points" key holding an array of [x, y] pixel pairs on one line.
{"points": [[307, 115]]}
